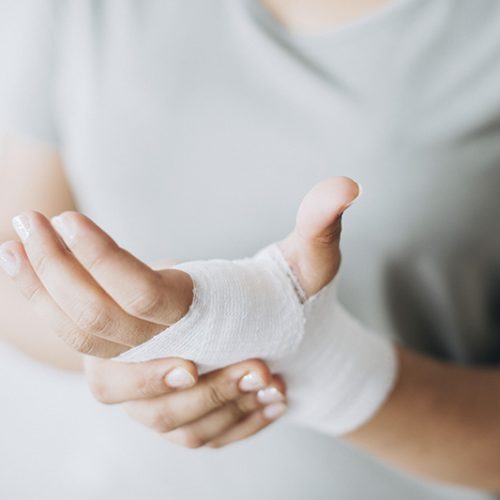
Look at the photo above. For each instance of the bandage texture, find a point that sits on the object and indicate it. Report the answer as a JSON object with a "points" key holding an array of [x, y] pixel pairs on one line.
{"points": [[241, 309], [337, 372]]}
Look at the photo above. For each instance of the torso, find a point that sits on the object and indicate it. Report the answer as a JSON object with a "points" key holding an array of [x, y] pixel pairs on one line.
{"points": [[193, 131]]}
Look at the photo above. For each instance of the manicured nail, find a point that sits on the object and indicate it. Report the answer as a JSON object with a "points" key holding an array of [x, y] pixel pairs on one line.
{"points": [[251, 382], [358, 196], [270, 395], [65, 227], [8, 261], [274, 411], [179, 378], [22, 226]]}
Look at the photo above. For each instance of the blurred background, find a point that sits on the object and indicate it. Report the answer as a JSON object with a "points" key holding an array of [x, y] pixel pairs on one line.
{"points": [[191, 129]]}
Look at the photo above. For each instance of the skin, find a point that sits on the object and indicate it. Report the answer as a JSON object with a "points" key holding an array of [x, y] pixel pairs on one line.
{"points": [[102, 301], [139, 385], [313, 16], [48, 192], [435, 412]]}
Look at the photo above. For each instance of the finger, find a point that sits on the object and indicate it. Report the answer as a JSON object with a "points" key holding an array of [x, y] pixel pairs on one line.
{"points": [[213, 390], [114, 382], [159, 297], [73, 290], [319, 212], [220, 421], [312, 249], [31, 287], [252, 424], [200, 432], [274, 407]]}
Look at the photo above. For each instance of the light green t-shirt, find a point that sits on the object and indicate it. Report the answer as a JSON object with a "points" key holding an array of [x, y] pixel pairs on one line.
{"points": [[192, 129]]}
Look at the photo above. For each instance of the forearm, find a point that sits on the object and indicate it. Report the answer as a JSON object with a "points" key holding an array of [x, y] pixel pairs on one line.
{"points": [[49, 192], [441, 421]]}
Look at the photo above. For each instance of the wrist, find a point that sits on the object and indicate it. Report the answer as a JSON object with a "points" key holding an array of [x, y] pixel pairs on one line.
{"points": [[342, 373]]}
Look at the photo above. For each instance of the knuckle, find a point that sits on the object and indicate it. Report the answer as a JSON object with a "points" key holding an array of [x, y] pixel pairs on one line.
{"points": [[189, 439], [94, 319], [243, 406], [145, 303], [144, 384], [31, 291], [215, 396], [101, 255], [99, 390], [162, 422], [326, 240], [41, 263], [82, 343]]}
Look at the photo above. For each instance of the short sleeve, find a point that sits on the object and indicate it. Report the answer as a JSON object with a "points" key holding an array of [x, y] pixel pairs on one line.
{"points": [[27, 68]]}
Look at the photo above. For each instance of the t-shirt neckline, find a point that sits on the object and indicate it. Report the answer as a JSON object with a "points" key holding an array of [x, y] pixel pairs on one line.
{"points": [[364, 24]]}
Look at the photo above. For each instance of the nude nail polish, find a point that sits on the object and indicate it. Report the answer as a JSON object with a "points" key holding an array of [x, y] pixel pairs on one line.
{"points": [[22, 226], [64, 227], [8, 262], [270, 395], [179, 378], [274, 411], [251, 382]]}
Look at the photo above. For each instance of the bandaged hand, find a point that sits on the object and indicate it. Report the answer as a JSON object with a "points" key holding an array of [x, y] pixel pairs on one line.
{"points": [[280, 306]]}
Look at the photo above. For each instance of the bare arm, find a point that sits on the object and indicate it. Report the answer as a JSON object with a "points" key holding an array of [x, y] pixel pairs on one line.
{"points": [[441, 422], [31, 176]]}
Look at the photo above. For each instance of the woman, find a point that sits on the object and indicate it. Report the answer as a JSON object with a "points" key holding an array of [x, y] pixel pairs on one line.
{"points": [[155, 110]]}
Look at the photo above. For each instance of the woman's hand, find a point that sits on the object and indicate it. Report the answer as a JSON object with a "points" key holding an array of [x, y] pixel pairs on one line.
{"points": [[223, 407], [103, 301], [100, 299]]}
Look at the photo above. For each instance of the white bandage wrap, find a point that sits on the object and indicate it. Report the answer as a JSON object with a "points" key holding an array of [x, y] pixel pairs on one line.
{"points": [[337, 372], [241, 309]]}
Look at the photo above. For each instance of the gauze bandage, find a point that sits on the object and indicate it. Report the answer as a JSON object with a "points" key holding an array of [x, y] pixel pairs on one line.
{"points": [[337, 373]]}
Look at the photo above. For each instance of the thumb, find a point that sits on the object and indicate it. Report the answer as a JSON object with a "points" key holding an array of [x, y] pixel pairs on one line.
{"points": [[312, 249]]}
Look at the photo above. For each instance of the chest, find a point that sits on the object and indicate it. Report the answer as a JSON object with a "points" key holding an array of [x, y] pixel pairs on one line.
{"points": [[193, 148]]}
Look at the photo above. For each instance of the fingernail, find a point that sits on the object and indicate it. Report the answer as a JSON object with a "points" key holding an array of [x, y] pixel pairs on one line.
{"points": [[64, 227], [274, 411], [179, 378], [22, 226], [251, 382], [358, 196], [8, 261], [270, 395]]}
